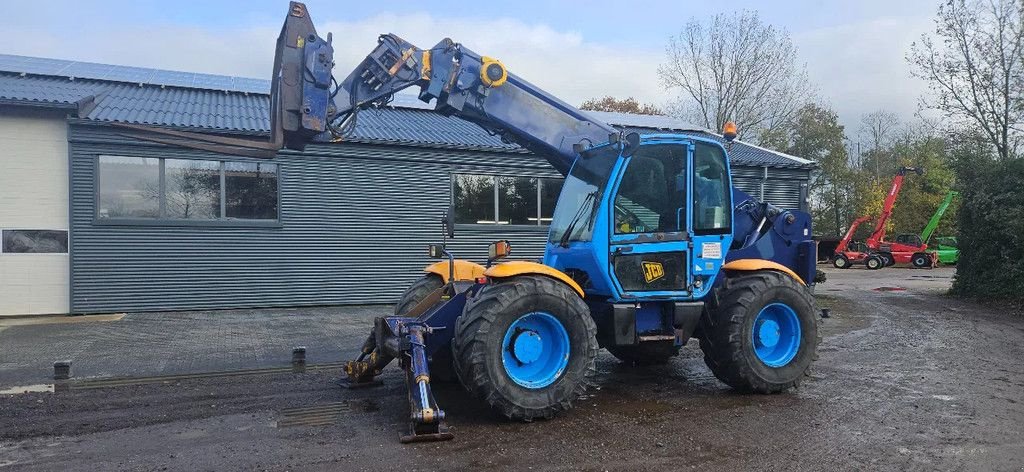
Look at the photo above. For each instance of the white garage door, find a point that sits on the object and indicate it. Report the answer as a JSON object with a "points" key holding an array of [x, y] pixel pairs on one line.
{"points": [[34, 263]]}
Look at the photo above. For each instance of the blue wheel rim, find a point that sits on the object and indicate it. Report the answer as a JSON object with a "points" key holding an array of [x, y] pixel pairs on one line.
{"points": [[776, 335], [535, 350]]}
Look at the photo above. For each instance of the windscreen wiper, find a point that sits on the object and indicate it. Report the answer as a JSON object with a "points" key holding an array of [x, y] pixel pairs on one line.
{"points": [[589, 199]]}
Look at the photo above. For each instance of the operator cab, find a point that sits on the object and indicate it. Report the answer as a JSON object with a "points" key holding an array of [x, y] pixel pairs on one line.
{"points": [[658, 214], [909, 239]]}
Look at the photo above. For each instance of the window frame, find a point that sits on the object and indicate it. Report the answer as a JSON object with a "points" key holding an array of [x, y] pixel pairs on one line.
{"points": [[163, 220], [495, 178]]}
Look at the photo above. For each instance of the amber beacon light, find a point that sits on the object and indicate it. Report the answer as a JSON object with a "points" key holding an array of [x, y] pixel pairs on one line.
{"points": [[729, 131]]}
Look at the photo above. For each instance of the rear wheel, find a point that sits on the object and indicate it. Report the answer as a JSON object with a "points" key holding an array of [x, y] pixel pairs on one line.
{"points": [[840, 262], [417, 292], [762, 335], [649, 353], [887, 259], [921, 260], [441, 369], [874, 262], [526, 346]]}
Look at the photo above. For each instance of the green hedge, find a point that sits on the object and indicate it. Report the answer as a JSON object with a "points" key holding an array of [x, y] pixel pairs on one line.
{"points": [[991, 228]]}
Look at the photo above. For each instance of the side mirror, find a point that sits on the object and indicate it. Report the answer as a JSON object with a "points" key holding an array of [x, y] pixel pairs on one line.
{"points": [[498, 250], [436, 251]]}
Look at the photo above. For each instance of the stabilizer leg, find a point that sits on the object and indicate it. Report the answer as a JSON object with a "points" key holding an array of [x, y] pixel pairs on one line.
{"points": [[426, 419]]}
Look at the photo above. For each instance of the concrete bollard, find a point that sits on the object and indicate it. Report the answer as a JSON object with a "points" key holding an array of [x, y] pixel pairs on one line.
{"points": [[61, 370], [299, 359]]}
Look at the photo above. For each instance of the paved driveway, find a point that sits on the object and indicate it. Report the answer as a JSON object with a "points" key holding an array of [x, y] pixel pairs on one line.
{"points": [[145, 344]]}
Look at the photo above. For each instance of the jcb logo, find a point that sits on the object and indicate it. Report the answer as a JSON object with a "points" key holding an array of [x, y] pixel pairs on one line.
{"points": [[653, 271]]}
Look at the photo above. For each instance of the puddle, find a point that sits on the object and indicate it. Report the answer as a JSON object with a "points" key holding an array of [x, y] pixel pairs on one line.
{"points": [[41, 388], [890, 289]]}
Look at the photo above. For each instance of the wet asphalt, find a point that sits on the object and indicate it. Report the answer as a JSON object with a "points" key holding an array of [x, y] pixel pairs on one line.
{"points": [[907, 379]]}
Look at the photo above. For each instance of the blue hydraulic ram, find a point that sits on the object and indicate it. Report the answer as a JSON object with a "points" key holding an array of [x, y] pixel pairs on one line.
{"points": [[649, 244]]}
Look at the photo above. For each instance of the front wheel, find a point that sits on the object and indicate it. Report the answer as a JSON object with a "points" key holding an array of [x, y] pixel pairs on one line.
{"points": [[762, 335], [874, 262], [526, 346]]}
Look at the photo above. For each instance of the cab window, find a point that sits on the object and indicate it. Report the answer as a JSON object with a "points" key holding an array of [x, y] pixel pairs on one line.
{"points": [[652, 193], [712, 202]]}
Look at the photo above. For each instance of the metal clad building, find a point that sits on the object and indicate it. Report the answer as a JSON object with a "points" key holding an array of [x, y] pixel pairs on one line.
{"points": [[338, 223]]}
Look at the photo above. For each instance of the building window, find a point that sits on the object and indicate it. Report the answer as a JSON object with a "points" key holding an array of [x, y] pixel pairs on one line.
{"points": [[34, 241], [250, 190], [192, 189], [504, 200], [186, 189], [130, 187]]}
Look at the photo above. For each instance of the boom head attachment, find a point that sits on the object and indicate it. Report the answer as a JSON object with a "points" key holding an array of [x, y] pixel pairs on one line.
{"points": [[301, 101]]}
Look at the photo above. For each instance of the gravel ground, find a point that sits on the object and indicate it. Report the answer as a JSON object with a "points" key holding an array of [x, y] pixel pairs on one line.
{"points": [[907, 379]]}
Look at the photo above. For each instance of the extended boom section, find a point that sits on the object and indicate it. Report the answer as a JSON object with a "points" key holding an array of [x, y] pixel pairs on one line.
{"points": [[475, 88]]}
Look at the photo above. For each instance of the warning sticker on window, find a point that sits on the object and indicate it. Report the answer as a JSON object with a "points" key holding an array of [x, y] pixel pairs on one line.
{"points": [[711, 250]]}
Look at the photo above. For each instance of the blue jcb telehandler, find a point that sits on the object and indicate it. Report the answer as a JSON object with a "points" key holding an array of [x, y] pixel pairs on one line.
{"points": [[650, 243]]}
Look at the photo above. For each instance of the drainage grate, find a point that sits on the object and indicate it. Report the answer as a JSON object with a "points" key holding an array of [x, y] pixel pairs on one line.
{"points": [[320, 415]]}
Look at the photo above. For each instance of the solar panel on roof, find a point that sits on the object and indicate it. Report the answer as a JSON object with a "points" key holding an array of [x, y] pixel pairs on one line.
{"points": [[135, 75], [215, 82]]}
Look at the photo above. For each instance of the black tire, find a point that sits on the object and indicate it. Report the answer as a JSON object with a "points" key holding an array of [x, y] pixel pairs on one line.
{"points": [[649, 353], [921, 260], [479, 335], [840, 262], [874, 262], [417, 292], [887, 259], [727, 329], [441, 369]]}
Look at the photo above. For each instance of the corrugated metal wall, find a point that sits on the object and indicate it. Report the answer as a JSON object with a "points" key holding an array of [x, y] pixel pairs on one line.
{"points": [[782, 187], [355, 222]]}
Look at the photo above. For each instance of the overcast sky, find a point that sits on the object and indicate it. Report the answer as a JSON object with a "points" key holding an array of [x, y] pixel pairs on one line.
{"points": [[854, 50]]}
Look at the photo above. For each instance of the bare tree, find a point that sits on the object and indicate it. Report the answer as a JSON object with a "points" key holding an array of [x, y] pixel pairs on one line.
{"points": [[878, 129], [735, 68], [628, 105], [973, 64]]}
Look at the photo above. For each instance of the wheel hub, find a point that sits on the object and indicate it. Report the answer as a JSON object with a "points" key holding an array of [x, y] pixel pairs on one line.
{"points": [[527, 346], [535, 350], [775, 334], [768, 333]]}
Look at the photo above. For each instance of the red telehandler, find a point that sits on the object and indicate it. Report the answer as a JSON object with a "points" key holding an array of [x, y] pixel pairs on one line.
{"points": [[879, 253]]}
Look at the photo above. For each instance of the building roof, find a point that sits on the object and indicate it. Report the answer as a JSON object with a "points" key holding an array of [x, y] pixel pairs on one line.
{"points": [[103, 92]]}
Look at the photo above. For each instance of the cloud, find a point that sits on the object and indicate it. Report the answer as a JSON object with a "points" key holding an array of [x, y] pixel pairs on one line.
{"points": [[861, 67], [562, 62], [857, 67]]}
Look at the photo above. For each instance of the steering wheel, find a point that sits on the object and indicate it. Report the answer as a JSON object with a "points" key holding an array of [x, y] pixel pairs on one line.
{"points": [[626, 221]]}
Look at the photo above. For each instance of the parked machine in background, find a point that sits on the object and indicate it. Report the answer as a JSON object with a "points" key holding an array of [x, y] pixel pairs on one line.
{"points": [[848, 252], [948, 249], [880, 253], [945, 253]]}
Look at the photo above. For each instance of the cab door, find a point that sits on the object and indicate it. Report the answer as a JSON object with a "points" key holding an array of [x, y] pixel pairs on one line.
{"points": [[711, 214], [650, 244]]}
